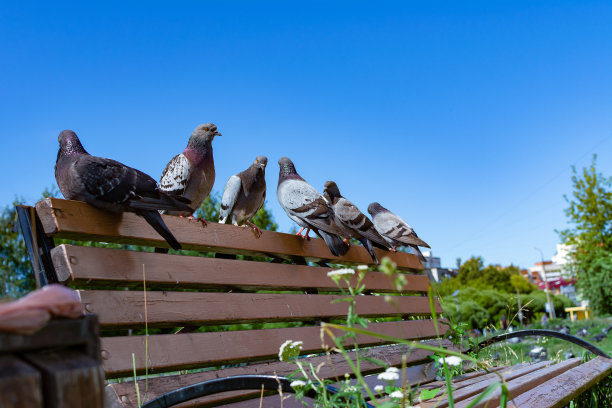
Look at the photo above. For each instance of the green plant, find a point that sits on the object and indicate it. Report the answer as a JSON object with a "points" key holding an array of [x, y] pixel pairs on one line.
{"points": [[350, 394]]}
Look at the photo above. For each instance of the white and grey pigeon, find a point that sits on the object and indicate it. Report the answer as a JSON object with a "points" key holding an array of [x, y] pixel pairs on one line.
{"points": [[395, 230], [112, 186], [244, 195], [353, 222], [307, 207], [191, 174]]}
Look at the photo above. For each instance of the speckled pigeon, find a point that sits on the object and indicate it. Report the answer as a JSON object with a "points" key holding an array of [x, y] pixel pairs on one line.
{"points": [[244, 195], [112, 186], [191, 174], [395, 230], [307, 207], [353, 222]]}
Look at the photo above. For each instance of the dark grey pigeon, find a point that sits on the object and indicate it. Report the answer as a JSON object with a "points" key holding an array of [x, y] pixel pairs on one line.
{"points": [[112, 186], [191, 174], [353, 222], [307, 207], [395, 230], [244, 195]]}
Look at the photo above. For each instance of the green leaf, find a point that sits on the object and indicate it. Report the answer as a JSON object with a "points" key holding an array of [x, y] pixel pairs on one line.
{"points": [[428, 394], [487, 391]]}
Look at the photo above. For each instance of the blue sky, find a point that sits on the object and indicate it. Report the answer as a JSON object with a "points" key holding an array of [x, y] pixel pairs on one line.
{"points": [[462, 117]]}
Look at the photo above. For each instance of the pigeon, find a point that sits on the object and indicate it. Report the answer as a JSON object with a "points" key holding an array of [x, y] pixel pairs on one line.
{"points": [[244, 195], [354, 223], [307, 207], [598, 337], [112, 186], [395, 230], [191, 174]]}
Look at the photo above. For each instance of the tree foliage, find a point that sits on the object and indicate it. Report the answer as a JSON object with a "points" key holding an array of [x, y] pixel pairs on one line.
{"points": [[590, 235]]}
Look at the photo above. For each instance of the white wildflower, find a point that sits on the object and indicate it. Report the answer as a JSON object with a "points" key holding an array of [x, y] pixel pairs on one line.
{"points": [[451, 360], [388, 376], [297, 384], [397, 394], [362, 267], [379, 388], [392, 370], [341, 274], [289, 350], [351, 388]]}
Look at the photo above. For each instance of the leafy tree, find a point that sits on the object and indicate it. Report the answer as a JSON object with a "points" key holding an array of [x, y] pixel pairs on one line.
{"points": [[521, 284], [590, 235], [471, 269]]}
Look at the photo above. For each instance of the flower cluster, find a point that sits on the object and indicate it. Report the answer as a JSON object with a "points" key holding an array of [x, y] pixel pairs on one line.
{"points": [[289, 349], [390, 374], [338, 274], [452, 361]]}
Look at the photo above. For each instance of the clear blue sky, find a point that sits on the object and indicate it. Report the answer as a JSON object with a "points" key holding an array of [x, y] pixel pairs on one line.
{"points": [[462, 117]]}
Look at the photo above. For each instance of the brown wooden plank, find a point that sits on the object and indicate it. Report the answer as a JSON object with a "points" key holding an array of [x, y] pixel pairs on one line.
{"points": [[117, 309], [89, 266], [79, 221], [57, 333], [524, 383], [473, 377], [70, 379], [559, 391], [183, 351], [333, 366], [475, 388], [20, 384]]}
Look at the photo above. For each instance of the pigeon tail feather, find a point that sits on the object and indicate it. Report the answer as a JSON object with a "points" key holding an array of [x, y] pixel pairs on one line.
{"points": [[368, 245], [155, 220], [334, 243]]}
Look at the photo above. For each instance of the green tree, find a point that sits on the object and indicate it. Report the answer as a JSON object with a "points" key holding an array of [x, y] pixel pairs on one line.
{"points": [[590, 234], [521, 284], [471, 270]]}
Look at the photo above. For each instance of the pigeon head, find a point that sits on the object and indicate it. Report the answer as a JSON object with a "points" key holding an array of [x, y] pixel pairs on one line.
{"points": [[203, 135], [261, 162], [376, 208], [69, 143], [331, 188], [287, 169]]}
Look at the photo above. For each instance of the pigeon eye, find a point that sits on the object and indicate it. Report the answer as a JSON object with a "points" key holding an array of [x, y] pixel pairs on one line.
{"points": [[206, 129]]}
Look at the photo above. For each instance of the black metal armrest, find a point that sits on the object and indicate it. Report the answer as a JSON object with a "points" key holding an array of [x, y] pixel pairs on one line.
{"points": [[239, 382], [539, 332]]}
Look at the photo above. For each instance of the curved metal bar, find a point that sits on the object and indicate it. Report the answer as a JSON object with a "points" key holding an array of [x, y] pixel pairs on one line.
{"points": [[539, 332], [239, 382]]}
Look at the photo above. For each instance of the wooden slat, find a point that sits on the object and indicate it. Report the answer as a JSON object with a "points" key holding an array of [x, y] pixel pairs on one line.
{"points": [[183, 351], [524, 383], [117, 309], [472, 377], [476, 387], [333, 366], [82, 266], [559, 391], [79, 221]]}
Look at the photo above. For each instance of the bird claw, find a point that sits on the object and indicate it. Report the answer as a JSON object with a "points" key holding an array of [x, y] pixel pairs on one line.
{"points": [[202, 220], [255, 228], [392, 249]]}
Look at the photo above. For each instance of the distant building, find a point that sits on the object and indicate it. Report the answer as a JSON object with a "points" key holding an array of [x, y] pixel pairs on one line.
{"points": [[433, 268], [557, 276]]}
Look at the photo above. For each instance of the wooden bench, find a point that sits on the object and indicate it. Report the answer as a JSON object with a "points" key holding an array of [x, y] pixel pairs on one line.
{"points": [[284, 282]]}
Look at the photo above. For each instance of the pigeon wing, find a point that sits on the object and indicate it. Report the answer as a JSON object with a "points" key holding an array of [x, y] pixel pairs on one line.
{"points": [[394, 227], [176, 176], [231, 194]]}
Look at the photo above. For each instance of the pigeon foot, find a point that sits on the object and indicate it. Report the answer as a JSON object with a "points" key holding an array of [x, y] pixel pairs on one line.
{"points": [[202, 220], [255, 228]]}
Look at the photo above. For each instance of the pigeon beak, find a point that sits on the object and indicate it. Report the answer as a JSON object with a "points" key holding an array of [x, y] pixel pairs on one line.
{"points": [[217, 133]]}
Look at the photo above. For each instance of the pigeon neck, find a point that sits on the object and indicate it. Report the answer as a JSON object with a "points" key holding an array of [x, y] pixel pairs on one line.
{"points": [[72, 147], [287, 172], [197, 151]]}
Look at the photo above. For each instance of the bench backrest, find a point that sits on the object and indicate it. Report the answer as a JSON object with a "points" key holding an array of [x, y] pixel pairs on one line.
{"points": [[216, 293]]}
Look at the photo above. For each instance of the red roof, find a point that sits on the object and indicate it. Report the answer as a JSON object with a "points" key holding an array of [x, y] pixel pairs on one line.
{"points": [[556, 283]]}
